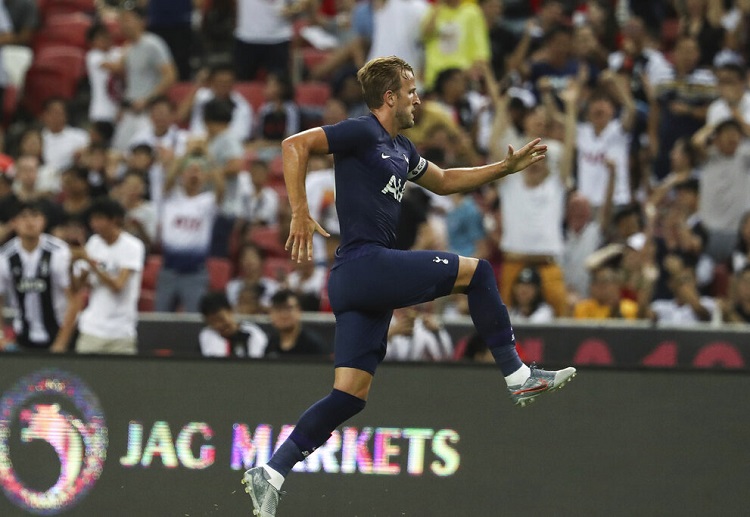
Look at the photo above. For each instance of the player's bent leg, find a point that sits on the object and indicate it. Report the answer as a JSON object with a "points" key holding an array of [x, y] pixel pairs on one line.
{"points": [[492, 321], [314, 428]]}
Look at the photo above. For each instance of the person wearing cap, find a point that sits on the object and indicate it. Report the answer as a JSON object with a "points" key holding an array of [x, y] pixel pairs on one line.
{"points": [[111, 266], [34, 280], [148, 68], [526, 301], [186, 222]]}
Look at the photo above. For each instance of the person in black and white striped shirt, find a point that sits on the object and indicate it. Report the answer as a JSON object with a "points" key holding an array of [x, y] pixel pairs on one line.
{"points": [[34, 280]]}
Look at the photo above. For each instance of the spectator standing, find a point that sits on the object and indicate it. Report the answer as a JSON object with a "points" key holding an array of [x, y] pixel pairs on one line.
{"points": [[171, 20], [396, 27], [262, 36], [223, 335], [679, 103], [105, 85], [724, 185], [35, 281], [260, 202], [187, 217], [288, 336], [734, 97], [226, 154], [604, 140], [217, 83], [279, 116], [111, 264], [60, 142], [148, 70], [141, 218], [24, 18], [455, 35]]}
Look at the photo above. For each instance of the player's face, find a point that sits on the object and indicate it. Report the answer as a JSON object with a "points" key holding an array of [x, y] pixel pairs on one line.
{"points": [[406, 101], [29, 224], [222, 322]]}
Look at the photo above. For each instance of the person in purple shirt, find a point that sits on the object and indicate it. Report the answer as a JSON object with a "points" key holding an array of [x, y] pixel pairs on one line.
{"points": [[369, 277]]}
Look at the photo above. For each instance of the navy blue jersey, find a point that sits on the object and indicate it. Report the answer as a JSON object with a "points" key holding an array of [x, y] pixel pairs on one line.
{"points": [[371, 173]]}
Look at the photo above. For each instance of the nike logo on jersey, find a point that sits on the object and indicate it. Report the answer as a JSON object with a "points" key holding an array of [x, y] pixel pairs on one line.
{"points": [[384, 156], [438, 259]]}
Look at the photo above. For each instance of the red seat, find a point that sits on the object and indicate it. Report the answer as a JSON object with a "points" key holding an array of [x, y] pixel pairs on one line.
{"points": [[55, 72], [312, 57], [269, 240], [722, 280], [276, 168], [253, 92], [63, 29], [177, 93], [48, 8], [151, 272], [312, 93], [219, 273]]}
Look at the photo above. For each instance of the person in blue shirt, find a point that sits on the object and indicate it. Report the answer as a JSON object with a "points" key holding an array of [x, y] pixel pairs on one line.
{"points": [[369, 277]]}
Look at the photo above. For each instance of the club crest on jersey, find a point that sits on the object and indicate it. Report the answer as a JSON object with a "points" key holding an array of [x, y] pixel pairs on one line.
{"points": [[395, 187]]}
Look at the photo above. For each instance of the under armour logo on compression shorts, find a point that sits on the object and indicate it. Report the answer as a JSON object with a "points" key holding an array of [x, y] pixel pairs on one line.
{"points": [[438, 259]]}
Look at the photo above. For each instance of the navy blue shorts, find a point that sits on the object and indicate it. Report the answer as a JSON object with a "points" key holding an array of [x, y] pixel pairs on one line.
{"points": [[364, 291]]}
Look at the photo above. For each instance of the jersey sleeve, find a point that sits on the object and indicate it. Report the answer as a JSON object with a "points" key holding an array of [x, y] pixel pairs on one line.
{"points": [[417, 164], [349, 135]]}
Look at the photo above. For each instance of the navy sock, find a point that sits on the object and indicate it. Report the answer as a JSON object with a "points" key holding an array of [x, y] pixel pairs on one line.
{"points": [[491, 319], [314, 428]]}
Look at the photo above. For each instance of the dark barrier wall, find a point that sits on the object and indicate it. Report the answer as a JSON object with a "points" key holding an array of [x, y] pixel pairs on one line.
{"points": [[622, 346], [153, 437]]}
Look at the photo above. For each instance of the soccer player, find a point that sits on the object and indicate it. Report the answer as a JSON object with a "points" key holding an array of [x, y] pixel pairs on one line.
{"points": [[369, 278]]}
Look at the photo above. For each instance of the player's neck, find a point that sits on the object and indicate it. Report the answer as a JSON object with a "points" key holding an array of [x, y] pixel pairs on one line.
{"points": [[387, 120], [29, 244]]}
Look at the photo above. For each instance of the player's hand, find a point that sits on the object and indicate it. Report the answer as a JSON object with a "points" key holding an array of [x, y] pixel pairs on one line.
{"points": [[530, 153], [300, 241]]}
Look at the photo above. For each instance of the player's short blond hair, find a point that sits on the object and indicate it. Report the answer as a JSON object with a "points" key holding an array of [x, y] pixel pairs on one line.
{"points": [[379, 75]]}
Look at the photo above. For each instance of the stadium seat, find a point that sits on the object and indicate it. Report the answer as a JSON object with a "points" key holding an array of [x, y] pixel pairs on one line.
{"points": [[269, 240], [312, 93], [276, 168], [277, 267], [312, 57], [253, 92], [219, 273], [177, 93], [63, 30], [55, 72], [49, 8], [148, 283]]}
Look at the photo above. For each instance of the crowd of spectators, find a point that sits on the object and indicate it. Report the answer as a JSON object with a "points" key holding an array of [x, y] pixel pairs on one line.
{"points": [[640, 211]]}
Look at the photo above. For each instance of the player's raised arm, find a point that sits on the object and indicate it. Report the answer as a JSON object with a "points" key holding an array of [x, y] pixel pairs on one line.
{"points": [[464, 179], [295, 152]]}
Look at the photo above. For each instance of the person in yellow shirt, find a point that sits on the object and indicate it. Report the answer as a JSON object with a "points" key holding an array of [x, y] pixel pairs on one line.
{"points": [[455, 35], [606, 300]]}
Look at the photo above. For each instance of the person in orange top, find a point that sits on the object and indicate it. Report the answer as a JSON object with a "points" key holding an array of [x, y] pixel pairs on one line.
{"points": [[605, 301]]}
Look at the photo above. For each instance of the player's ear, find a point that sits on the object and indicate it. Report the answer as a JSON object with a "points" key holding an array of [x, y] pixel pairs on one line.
{"points": [[390, 98]]}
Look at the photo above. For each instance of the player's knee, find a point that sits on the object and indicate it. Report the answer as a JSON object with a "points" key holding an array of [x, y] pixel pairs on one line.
{"points": [[483, 274]]}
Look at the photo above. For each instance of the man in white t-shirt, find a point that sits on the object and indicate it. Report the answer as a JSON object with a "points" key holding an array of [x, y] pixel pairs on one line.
{"points": [[60, 142], [187, 218], [223, 335], [162, 132], [397, 28], [99, 59], [111, 264], [532, 205], [604, 138], [218, 84], [262, 36]]}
